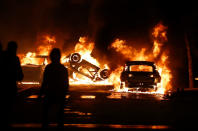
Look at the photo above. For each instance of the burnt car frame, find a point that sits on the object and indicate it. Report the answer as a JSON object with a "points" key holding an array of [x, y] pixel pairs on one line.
{"points": [[140, 79], [77, 65]]}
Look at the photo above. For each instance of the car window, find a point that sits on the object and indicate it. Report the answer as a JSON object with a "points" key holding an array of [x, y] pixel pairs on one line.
{"points": [[143, 68]]}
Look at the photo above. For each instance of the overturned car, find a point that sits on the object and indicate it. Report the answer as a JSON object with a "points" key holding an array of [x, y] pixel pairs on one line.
{"points": [[140, 75], [85, 68], [75, 64]]}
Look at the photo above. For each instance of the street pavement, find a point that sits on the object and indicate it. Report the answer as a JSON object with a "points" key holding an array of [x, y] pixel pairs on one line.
{"points": [[101, 108]]}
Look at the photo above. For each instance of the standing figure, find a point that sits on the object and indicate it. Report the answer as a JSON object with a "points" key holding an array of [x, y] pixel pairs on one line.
{"points": [[54, 87], [12, 72]]}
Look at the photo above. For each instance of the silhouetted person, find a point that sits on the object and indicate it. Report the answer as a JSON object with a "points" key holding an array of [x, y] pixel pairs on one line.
{"points": [[54, 87], [12, 74]]}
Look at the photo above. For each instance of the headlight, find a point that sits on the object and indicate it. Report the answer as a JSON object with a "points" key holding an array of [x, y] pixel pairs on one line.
{"points": [[151, 75], [130, 75]]}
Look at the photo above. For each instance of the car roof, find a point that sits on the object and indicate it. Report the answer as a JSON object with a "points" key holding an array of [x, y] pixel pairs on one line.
{"points": [[140, 63]]}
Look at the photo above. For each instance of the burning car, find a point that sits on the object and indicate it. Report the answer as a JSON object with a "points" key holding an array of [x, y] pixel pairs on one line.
{"points": [[85, 68], [33, 72], [75, 64], [140, 74]]}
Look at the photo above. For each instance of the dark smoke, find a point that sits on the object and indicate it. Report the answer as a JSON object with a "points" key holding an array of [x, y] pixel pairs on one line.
{"points": [[101, 20]]}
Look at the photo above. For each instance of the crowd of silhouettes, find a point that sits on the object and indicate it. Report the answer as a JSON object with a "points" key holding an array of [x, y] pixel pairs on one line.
{"points": [[53, 90]]}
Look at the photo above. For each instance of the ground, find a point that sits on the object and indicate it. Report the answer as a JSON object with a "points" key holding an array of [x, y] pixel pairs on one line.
{"points": [[99, 107]]}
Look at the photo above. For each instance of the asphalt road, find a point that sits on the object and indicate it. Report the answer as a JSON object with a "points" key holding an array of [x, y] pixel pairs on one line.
{"points": [[100, 107]]}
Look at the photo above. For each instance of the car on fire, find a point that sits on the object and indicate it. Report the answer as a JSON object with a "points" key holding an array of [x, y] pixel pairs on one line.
{"points": [[85, 68], [33, 73], [140, 75]]}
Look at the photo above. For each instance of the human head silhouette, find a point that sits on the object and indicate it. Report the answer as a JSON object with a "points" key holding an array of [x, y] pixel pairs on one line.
{"points": [[12, 47], [55, 55]]}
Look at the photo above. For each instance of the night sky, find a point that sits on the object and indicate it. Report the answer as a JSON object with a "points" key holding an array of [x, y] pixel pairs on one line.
{"points": [[102, 21]]}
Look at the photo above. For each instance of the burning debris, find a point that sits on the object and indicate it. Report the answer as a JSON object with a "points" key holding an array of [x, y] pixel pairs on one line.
{"points": [[84, 69]]}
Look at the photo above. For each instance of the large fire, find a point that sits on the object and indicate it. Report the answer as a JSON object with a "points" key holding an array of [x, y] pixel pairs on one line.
{"points": [[156, 55], [84, 47], [35, 58]]}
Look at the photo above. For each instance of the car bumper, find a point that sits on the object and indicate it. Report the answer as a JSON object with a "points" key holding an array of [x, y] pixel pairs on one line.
{"points": [[140, 84]]}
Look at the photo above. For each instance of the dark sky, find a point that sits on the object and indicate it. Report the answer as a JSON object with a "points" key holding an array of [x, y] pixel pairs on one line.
{"points": [[102, 21]]}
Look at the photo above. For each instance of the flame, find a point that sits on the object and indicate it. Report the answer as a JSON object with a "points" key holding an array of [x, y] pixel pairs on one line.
{"points": [[46, 46], [128, 51], [115, 78], [29, 58], [132, 54], [42, 50], [84, 48]]}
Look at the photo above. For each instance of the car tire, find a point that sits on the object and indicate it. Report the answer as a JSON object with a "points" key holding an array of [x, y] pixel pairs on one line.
{"points": [[122, 85], [104, 74], [75, 57]]}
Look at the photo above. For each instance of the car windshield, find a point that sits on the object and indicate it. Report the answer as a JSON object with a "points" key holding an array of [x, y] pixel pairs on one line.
{"points": [[141, 68]]}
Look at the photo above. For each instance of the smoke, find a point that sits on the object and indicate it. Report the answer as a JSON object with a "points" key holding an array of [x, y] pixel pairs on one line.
{"points": [[67, 20], [24, 21]]}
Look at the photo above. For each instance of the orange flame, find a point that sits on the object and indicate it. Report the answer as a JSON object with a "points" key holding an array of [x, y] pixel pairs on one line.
{"points": [[46, 46], [84, 48], [43, 50], [130, 53]]}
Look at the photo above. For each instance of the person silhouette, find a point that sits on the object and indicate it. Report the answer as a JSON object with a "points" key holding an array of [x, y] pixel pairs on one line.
{"points": [[12, 73], [54, 87]]}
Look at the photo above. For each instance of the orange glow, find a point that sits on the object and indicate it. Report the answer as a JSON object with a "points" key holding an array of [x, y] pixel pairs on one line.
{"points": [[144, 68], [128, 51], [115, 78], [30, 58], [46, 45], [85, 47], [132, 54], [42, 50], [87, 97]]}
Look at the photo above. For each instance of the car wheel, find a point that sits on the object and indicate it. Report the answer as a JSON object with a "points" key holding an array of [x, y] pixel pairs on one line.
{"points": [[104, 73], [122, 85], [75, 57]]}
